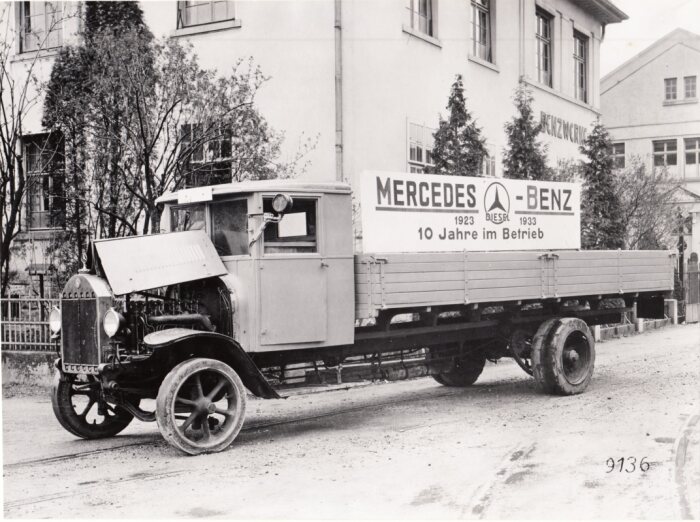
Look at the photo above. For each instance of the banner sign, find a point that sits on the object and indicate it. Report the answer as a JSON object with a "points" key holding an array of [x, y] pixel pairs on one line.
{"points": [[431, 213]]}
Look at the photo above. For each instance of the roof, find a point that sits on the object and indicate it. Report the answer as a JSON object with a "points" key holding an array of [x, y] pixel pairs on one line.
{"points": [[678, 36], [689, 193], [603, 10], [269, 185]]}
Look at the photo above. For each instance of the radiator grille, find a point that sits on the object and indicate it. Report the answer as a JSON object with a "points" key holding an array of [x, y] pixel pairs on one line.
{"points": [[79, 331]]}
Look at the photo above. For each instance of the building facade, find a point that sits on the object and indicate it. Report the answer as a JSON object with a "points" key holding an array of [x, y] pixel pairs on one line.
{"points": [[369, 79], [650, 106]]}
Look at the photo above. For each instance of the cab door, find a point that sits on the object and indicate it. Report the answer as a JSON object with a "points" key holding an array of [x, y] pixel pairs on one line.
{"points": [[293, 279]]}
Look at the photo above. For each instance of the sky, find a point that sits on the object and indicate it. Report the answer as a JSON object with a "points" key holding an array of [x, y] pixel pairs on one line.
{"points": [[649, 20]]}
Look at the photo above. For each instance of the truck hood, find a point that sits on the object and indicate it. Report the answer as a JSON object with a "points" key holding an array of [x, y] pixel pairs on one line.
{"points": [[133, 264]]}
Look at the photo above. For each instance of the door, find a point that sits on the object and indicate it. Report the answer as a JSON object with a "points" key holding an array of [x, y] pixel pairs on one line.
{"points": [[293, 278]]}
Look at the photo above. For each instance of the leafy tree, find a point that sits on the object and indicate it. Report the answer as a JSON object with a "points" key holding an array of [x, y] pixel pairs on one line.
{"points": [[141, 117], [116, 16], [602, 221], [77, 105], [649, 215], [459, 148], [566, 170], [524, 157], [65, 111]]}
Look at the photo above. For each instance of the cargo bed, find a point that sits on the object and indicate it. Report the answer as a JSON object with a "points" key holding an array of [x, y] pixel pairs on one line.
{"points": [[390, 281]]}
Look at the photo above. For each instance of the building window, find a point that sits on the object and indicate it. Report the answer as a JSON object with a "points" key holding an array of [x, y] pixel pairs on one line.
{"points": [[692, 151], [544, 48], [40, 25], [665, 153], [618, 155], [420, 146], [421, 16], [670, 86], [45, 174], [488, 166], [690, 86], [198, 12], [581, 66], [206, 156], [481, 29]]}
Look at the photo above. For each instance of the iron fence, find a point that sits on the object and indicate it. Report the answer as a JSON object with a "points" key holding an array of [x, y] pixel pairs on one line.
{"points": [[24, 324]]}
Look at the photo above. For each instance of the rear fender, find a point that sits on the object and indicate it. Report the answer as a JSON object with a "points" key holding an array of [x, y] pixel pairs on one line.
{"points": [[174, 345]]}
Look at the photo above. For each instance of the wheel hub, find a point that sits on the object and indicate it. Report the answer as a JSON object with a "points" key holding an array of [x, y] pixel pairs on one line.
{"points": [[572, 356]]}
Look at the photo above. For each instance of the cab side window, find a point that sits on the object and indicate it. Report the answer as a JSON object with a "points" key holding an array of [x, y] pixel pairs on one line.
{"points": [[191, 217], [296, 232], [229, 225]]}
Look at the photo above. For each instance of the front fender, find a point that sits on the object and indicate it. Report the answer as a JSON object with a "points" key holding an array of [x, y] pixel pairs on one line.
{"points": [[174, 345]]}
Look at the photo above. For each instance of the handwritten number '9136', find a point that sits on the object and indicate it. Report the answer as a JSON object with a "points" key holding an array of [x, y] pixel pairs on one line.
{"points": [[628, 465]]}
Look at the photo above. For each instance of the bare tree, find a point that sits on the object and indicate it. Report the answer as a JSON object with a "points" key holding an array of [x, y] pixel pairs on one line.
{"points": [[20, 92]]}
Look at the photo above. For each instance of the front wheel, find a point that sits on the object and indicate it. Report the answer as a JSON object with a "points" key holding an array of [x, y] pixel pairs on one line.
{"points": [[81, 410], [563, 356], [201, 406]]}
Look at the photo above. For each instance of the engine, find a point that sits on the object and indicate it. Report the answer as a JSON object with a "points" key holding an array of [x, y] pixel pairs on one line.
{"points": [[97, 328]]}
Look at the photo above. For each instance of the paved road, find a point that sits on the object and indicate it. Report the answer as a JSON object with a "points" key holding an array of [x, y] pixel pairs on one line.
{"points": [[403, 450]]}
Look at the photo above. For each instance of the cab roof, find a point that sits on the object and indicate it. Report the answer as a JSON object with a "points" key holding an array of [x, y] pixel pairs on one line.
{"points": [[269, 185]]}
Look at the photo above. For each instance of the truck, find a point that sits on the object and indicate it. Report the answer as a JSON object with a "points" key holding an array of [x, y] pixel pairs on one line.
{"points": [[256, 288]]}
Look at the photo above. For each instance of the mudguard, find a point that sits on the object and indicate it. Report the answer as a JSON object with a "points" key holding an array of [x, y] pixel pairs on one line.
{"points": [[178, 344]]}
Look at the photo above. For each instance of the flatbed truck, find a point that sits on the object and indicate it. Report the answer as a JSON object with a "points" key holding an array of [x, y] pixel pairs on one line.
{"points": [[255, 287]]}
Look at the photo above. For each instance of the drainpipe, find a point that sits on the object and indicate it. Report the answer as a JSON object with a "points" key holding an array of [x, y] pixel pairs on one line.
{"points": [[521, 39], [339, 176]]}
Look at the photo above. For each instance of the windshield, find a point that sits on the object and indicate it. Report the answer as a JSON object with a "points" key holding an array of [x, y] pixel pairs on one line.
{"points": [[229, 223], [191, 217]]}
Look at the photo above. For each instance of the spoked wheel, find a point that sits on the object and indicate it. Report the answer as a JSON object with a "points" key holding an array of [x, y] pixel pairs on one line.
{"points": [[564, 357], [520, 347], [80, 408], [201, 406]]}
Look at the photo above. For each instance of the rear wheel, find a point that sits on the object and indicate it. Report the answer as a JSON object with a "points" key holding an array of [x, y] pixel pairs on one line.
{"points": [[79, 407], [563, 356], [466, 367], [201, 406]]}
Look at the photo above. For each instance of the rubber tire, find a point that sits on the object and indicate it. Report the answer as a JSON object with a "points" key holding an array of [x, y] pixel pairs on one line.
{"points": [[547, 358], [462, 375], [67, 417], [166, 397]]}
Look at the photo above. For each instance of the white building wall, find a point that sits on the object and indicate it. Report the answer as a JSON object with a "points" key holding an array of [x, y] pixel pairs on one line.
{"points": [[292, 42], [636, 112], [390, 76]]}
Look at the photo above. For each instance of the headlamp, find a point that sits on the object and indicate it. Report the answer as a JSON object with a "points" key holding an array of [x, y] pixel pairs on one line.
{"points": [[282, 203], [55, 320], [112, 322]]}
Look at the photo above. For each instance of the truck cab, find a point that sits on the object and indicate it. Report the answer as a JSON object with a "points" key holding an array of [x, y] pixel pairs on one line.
{"points": [[282, 270]]}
